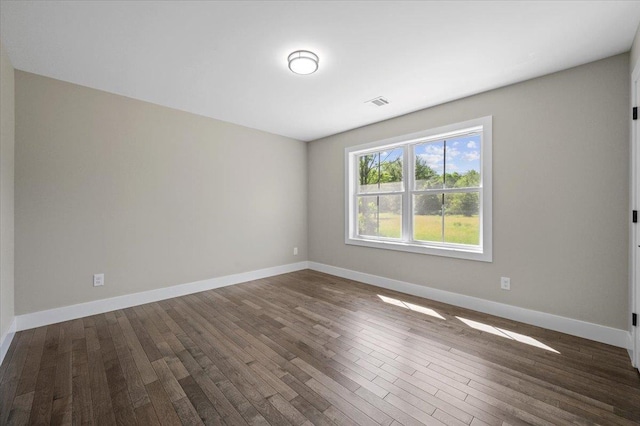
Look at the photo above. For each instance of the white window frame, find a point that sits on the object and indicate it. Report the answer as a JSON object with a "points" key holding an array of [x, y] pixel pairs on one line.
{"points": [[483, 252]]}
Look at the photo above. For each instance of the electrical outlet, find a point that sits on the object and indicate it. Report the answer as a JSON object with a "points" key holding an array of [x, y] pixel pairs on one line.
{"points": [[295, 251], [505, 283], [98, 280]]}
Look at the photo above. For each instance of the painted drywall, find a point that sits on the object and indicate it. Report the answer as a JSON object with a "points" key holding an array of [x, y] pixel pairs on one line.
{"points": [[151, 197], [7, 143], [560, 196], [635, 50]]}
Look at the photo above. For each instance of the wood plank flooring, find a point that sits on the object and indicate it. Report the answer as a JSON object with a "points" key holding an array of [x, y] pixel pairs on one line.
{"points": [[309, 348]]}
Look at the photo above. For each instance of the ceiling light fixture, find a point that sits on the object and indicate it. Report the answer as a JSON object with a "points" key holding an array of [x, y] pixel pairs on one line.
{"points": [[303, 62]]}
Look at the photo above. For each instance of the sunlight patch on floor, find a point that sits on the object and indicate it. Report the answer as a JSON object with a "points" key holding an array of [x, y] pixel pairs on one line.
{"points": [[512, 335], [411, 306]]}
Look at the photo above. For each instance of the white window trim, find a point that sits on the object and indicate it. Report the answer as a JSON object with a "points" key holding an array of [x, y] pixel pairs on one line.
{"points": [[484, 253]]}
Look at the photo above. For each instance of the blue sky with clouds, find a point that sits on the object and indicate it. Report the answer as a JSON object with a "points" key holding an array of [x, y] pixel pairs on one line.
{"points": [[463, 154]]}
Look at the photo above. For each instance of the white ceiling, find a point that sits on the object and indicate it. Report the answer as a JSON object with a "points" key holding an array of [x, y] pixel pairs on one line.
{"points": [[227, 60]]}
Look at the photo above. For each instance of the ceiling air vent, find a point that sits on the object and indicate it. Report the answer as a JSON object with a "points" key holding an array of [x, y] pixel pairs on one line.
{"points": [[379, 101]]}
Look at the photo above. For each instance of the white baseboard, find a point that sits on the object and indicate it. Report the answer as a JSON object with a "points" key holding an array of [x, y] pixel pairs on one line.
{"points": [[599, 333], [66, 313], [6, 339], [587, 330]]}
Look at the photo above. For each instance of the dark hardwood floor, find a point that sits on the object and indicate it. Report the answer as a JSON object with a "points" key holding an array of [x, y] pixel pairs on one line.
{"points": [[308, 348]]}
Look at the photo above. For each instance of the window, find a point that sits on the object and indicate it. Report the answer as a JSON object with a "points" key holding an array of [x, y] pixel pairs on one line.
{"points": [[428, 192]]}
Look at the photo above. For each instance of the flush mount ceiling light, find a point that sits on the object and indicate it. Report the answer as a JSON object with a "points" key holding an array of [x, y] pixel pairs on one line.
{"points": [[303, 62]]}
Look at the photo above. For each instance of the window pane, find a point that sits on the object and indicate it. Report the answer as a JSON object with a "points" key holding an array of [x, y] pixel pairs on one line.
{"points": [[462, 218], [462, 157], [380, 171], [427, 217], [429, 165], [380, 215]]}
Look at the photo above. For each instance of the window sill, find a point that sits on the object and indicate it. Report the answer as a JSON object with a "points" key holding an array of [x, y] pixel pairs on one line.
{"points": [[444, 251]]}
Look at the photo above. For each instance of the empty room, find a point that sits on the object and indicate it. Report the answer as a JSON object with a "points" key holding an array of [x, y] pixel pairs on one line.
{"points": [[319, 212]]}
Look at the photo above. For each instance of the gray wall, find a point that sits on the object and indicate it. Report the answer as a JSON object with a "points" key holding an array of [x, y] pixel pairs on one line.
{"points": [[560, 196], [7, 130], [151, 196], [635, 50]]}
